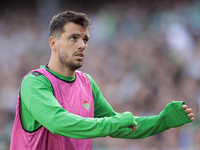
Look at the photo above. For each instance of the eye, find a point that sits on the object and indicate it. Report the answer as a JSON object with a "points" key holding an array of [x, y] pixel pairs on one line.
{"points": [[73, 38], [85, 40]]}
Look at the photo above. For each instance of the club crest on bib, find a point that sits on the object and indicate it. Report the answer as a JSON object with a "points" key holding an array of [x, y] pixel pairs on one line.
{"points": [[86, 105]]}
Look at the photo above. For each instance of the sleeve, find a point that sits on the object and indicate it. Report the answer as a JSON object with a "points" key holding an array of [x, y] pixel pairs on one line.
{"points": [[101, 106], [172, 116], [37, 96]]}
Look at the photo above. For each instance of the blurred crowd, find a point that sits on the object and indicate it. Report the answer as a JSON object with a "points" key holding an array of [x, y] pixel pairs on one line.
{"points": [[141, 55]]}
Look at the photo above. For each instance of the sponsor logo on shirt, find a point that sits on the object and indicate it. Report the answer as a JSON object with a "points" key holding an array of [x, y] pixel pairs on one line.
{"points": [[36, 74]]}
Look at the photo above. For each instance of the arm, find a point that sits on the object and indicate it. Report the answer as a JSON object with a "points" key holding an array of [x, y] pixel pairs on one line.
{"points": [[39, 107], [172, 116]]}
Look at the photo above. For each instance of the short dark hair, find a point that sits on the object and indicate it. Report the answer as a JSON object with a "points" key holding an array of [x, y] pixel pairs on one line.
{"points": [[56, 26]]}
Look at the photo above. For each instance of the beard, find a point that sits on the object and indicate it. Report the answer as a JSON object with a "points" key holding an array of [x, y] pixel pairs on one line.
{"points": [[63, 57]]}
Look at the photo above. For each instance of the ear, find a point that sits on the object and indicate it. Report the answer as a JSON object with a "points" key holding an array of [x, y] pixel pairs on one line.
{"points": [[52, 43]]}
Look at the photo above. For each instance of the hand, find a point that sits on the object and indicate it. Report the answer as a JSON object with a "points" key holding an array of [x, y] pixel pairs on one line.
{"points": [[189, 112], [133, 128]]}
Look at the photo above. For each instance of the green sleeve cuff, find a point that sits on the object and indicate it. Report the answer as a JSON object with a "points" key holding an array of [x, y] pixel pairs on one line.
{"points": [[174, 115]]}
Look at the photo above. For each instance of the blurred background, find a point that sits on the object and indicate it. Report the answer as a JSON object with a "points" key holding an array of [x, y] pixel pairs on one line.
{"points": [[142, 54]]}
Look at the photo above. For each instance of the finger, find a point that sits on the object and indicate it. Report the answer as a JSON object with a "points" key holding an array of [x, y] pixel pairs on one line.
{"points": [[188, 110], [191, 115], [184, 106], [192, 119], [134, 128]]}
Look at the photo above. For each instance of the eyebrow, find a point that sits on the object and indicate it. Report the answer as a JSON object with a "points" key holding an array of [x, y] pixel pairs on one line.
{"points": [[74, 34]]}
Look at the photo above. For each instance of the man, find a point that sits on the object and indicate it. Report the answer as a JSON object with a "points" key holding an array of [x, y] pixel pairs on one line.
{"points": [[61, 108]]}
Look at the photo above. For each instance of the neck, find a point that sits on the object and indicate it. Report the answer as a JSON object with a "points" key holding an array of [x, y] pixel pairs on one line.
{"points": [[60, 69]]}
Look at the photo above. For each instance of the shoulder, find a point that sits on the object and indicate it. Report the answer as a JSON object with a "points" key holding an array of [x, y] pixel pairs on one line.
{"points": [[35, 78], [92, 82], [82, 76]]}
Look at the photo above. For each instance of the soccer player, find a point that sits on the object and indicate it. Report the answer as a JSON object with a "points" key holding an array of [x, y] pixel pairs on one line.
{"points": [[61, 108]]}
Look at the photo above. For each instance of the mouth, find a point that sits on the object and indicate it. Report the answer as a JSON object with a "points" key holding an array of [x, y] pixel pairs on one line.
{"points": [[79, 55]]}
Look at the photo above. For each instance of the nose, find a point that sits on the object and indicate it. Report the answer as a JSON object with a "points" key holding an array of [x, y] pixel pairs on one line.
{"points": [[82, 45]]}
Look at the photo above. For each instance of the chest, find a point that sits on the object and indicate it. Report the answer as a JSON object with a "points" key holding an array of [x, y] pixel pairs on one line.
{"points": [[75, 97]]}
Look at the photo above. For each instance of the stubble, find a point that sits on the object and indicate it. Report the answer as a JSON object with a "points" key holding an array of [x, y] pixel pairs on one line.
{"points": [[66, 62]]}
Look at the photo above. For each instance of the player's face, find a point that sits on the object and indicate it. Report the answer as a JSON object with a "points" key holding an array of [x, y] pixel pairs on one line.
{"points": [[72, 45]]}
